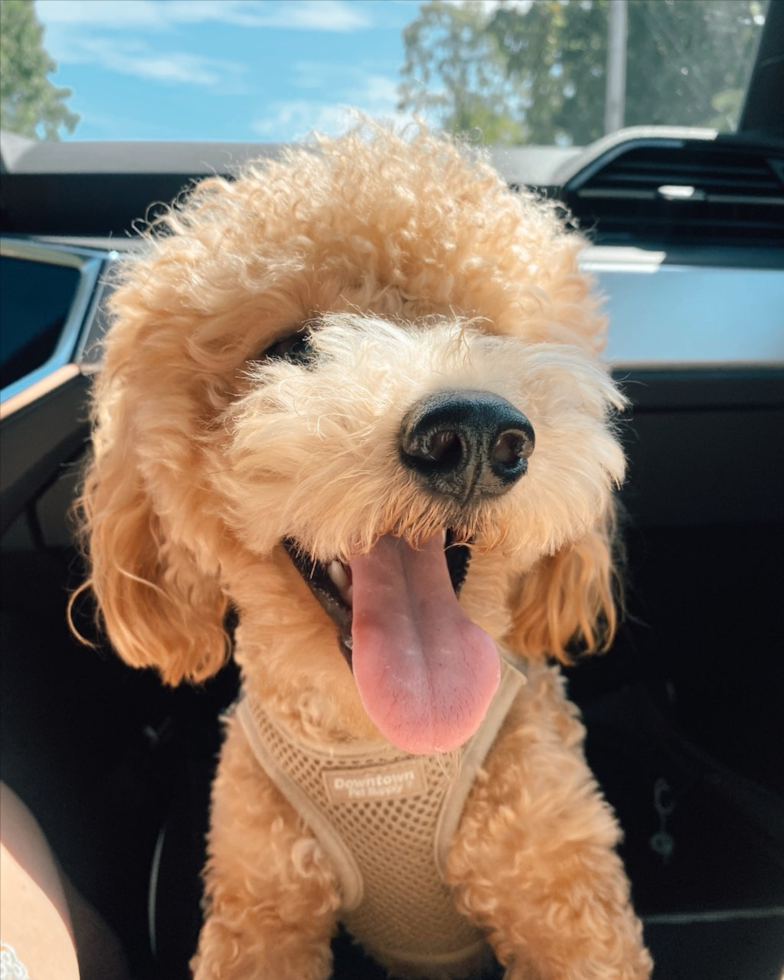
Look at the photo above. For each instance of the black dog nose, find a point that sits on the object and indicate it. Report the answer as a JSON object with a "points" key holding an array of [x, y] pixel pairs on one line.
{"points": [[467, 444]]}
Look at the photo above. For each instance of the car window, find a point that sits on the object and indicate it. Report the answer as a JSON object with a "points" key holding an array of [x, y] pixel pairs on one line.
{"points": [[508, 72], [35, 298]]}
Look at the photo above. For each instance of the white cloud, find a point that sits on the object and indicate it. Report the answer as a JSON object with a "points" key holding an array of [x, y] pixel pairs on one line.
{"points": [[136, 58], [369, 93], [316, 15], [175, 67], [115, 14], [377, 90], [353, 81], [111, 33], [160, 15], [490, 6], [292, 122]]}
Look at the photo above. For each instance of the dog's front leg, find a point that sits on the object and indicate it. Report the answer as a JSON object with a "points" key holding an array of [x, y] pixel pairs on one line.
{"points": [[271, 897], [534, 859]]}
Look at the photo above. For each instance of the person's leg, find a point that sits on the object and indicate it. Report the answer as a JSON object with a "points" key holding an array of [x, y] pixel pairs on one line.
{"points": [[34, 918], [43, 918]]}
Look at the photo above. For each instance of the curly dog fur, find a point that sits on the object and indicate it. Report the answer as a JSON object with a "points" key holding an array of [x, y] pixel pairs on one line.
{"points": [[416, 270]]}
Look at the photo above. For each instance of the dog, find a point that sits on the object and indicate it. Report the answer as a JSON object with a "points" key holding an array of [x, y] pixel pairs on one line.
{"points": [[356, 396]]}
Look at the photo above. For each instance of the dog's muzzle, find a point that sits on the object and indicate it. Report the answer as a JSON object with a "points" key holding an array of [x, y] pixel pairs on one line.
{"points": [[466, 444]]}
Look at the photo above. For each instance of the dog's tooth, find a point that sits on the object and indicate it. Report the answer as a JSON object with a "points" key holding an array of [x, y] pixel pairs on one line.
{"points": [[443, 537], [338, 575], [348, 595]]}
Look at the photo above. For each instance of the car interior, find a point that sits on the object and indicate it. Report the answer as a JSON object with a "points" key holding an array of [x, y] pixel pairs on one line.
{"points": [[683, 714]]}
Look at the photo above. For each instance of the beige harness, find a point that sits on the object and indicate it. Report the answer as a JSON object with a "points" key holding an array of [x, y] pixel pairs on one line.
{"points": [[386, 818]]}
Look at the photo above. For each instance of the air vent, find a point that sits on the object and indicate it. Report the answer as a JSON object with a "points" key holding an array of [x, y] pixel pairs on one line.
{"points": [[717, 190]]}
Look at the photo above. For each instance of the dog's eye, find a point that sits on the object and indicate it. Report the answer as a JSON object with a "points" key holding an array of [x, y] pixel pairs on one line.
{"points": [[295, 347]]}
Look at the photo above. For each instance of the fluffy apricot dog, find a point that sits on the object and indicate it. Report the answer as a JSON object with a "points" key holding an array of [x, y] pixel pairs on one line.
{"points": [[355, 396]]}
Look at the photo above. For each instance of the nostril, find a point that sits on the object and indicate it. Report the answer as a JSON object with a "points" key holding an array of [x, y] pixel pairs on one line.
{"points": [[512, 446], [507, 448], [445, 449]]}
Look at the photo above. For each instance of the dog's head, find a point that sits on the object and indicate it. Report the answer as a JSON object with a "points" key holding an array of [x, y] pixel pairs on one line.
{"points": [[338, 393]]}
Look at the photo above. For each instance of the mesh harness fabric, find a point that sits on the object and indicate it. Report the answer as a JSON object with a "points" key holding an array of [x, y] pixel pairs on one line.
{"points": [[385, 818]]}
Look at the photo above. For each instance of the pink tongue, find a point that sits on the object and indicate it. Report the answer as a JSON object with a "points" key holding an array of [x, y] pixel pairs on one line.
{"points": [[424, 671]]}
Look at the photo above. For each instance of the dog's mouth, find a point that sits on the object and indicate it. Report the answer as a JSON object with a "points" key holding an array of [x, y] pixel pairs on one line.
{"points": [[424, 671], [332, 584]]}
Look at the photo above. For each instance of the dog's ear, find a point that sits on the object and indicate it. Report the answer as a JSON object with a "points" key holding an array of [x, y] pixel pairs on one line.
{"points": [[161, 609], [568, 600]]}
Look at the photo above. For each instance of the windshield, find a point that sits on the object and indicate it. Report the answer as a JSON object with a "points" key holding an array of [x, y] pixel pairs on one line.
{"points": [[548, 72]]}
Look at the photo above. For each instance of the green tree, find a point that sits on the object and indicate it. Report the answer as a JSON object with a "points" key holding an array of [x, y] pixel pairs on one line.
{"points": [[29, 104], [536, 72]]}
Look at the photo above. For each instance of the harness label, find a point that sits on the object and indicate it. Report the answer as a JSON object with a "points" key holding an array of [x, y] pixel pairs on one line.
{"points": [[397, 781]]}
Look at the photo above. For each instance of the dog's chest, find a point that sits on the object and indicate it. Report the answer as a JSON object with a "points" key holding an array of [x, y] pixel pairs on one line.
{"points": [[385, 818]]}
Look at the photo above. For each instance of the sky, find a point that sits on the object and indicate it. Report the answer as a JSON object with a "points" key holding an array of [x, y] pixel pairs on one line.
{"points": [[246, 70]]}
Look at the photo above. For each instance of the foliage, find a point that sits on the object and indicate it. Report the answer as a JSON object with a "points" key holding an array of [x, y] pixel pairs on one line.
{"points": [[29, 103], [535, 71]]}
